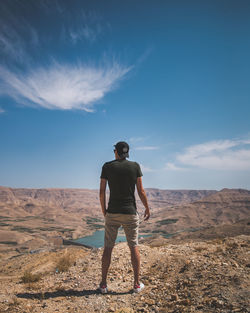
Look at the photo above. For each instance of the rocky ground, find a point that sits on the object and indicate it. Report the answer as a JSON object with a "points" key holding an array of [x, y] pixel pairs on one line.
{"points": [[188, 276]]}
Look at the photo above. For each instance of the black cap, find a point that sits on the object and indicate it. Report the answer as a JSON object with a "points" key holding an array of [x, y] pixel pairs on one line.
{"points": [[122, 149]]}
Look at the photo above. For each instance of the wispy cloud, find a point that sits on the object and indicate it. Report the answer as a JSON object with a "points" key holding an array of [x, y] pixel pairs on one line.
{"points": [[44, 83], [17, 35], [62, 86], [2, 110], [83, 32], [11, 45], [147, 148], [172, 167], [85, 27], [75, 23], [136, 139], [21, 40], [217, 155], [146, 169]]}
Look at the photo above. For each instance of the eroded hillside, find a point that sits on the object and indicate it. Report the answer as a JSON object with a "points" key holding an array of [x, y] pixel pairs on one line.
{"points": [[31, 218]]}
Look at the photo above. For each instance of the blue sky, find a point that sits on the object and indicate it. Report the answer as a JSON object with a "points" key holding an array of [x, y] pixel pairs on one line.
{"points": [[169, 77]]}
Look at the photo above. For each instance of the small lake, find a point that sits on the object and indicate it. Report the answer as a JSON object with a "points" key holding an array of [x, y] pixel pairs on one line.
{"points": [[97, 239]]}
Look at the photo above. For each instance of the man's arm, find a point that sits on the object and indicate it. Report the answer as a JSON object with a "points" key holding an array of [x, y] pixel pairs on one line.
{"points": [[143, 197], [102, 195]]}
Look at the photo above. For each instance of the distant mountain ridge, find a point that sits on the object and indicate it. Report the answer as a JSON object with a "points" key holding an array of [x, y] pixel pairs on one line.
{"points": [[63, 197], [72, 198]]}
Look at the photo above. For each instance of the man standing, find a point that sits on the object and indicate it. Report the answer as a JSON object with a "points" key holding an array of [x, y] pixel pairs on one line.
{"points": [[122, 177]]}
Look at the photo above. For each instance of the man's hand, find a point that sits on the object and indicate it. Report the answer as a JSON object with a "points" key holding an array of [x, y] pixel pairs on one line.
{"points": [[143, 197], [146, 214]]}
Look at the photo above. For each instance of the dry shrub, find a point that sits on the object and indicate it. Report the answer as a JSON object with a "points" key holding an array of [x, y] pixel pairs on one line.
{"points": [[216, 241], [124, 310], [42, 295], [184, 267], [158, 244], [64, 263], [199, 248], [231, 245], [60, 287], [219, 250], [28, 277], [33, 286], [14, 301], [236, 279]]}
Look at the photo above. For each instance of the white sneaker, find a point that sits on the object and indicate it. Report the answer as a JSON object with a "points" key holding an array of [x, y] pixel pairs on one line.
{"points": [[138, 288], [103, 289]]}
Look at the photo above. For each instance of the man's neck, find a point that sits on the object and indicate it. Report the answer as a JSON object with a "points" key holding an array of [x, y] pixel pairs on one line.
{"points": [[120, 159]]}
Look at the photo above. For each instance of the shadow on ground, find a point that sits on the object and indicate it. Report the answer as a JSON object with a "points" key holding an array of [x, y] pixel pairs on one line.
{"points": [[67, 293]]}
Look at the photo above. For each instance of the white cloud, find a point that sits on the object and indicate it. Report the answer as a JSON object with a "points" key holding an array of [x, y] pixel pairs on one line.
{"points": [[146, 169], [81, 31], [218, 155], [76, 24], [12, 45], [21, 40], [136, 139], [17, 35], [53, 86], [172, 167], [146, 148], [84, 32], [62, 86], [85, 27], [2, 110]]}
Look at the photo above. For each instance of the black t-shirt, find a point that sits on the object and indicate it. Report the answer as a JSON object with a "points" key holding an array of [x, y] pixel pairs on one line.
{"points": [[122, 176]]}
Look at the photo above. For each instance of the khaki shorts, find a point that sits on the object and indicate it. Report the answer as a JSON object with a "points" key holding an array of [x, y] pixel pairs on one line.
{"points": [[130, 224]]}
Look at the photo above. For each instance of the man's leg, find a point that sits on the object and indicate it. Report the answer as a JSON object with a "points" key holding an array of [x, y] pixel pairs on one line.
{"points": [[135, 259], [111, 231], [131, 228], [106, 258]]}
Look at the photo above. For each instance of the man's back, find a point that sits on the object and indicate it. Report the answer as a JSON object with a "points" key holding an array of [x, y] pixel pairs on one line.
{"points": [[122, 176]]}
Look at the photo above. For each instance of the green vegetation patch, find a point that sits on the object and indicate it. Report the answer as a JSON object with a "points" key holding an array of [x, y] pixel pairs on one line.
{"points": [[53, 228], [14, 243], [159, 232], [29, 205], [191, 229], [29, 217], [97, 226], [5, 218], [93, 222], [49, 220], [4, 224], [23, 229], [66, 229], [168, 221]]}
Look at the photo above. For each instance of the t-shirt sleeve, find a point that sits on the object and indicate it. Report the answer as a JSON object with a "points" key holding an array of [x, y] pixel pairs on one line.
{"points": [[139, 172], [104, 172]]}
